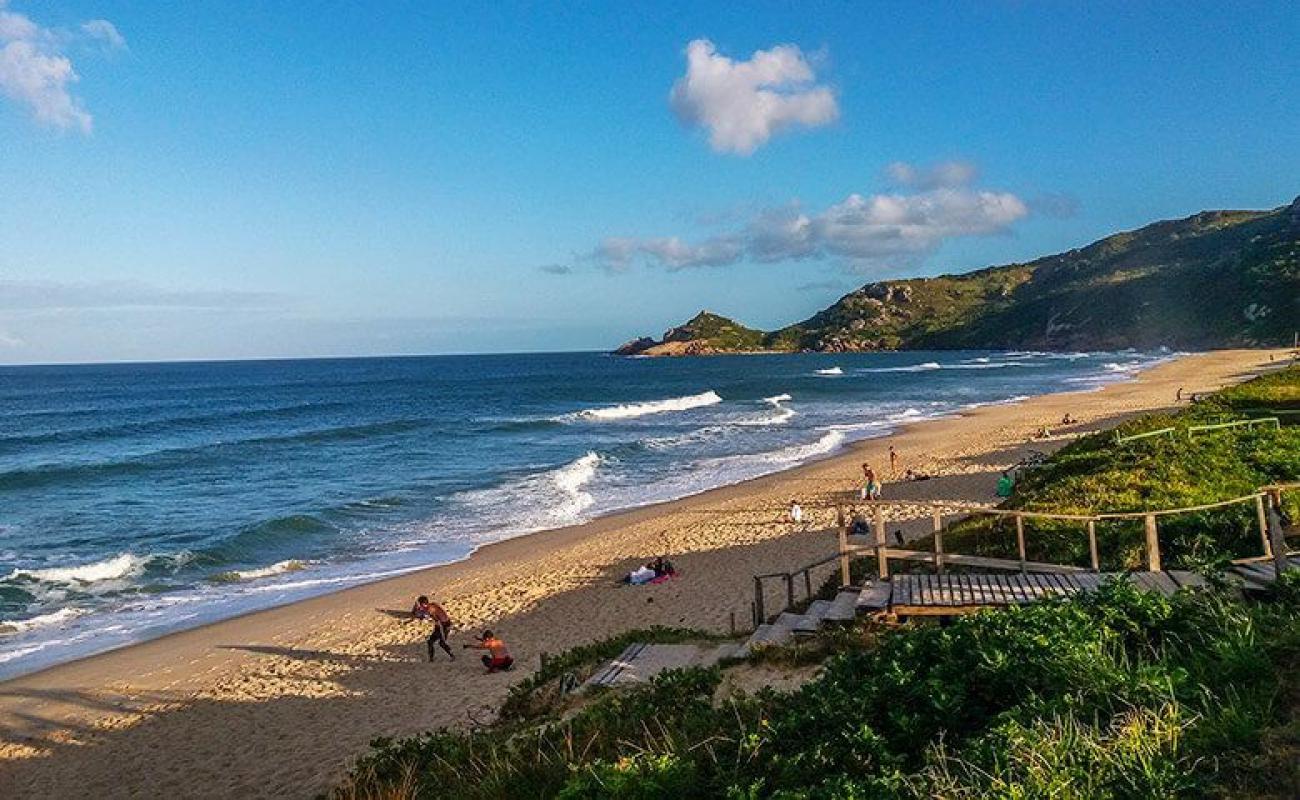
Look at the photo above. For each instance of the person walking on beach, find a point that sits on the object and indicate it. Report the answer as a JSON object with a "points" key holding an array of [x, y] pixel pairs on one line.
{"points": [[871, 486], [893, 462], [426, 609], [497, 657]]}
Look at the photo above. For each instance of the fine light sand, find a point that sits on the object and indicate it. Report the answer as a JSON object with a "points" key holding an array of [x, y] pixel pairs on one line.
{"points": [[278, 702]]}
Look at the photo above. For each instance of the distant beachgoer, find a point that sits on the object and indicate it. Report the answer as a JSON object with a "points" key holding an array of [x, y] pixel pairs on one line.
{"points": [[1068, 420], [893, 462], [871, 487], [425, 609], [640, 575], [1179, 395], [661, 567], [913, 475], [858, 525], [796, 512], [497, 657]]}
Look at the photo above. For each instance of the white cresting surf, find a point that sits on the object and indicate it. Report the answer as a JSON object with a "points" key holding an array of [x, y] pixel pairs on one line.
{"points": [[631, 410], [139, 499]]}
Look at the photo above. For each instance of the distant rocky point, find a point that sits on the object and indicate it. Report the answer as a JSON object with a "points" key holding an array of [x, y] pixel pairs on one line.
{"points": [[1215, 279]]}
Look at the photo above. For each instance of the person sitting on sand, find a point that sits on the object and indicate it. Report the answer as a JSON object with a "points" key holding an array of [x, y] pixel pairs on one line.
{"points": [[913, 475], [497, 658], [1068, 420], [661, 567], [426, 609], [858, 525]]}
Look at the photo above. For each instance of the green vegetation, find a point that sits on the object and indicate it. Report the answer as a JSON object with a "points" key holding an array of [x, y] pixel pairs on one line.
{"points": [[1118, 694], [1097, 475], [1219, 278]]}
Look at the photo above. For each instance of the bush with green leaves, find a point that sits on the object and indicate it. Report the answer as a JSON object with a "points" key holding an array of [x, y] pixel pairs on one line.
{"points": [[1120, 693]]}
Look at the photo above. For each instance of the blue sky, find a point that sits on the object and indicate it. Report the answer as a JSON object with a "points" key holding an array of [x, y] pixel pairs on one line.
{"points": [[226, 180]]}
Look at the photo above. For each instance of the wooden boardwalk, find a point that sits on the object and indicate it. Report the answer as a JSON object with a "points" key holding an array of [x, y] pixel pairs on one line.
{"points": [[943, 595]]}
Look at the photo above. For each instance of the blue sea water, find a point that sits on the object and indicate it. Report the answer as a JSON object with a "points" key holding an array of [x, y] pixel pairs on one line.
{"points": [[138, 499]]}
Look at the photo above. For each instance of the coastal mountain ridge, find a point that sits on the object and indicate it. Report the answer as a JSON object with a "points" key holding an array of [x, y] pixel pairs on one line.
{"points": [[1214, 279]]}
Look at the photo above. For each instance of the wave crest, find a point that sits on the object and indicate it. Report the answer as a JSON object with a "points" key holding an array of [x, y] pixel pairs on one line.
{"points": [[629, 410]]}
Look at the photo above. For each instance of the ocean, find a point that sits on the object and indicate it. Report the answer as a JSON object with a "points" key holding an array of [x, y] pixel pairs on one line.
{"points": [[139, 499]]}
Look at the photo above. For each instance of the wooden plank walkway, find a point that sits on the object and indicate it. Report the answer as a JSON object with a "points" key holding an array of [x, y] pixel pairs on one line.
{"points": [[941, 595]]}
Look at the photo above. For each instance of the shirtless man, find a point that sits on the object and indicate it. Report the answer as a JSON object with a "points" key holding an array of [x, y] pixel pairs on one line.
{"points": [[497, 657], [427, 609]]}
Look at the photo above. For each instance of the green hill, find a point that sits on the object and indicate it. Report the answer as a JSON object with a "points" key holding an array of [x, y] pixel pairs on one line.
{"points": [[1216, 279]]}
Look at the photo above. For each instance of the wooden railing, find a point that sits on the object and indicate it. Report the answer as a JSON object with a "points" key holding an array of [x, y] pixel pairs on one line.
{"points": [[1267, 502]]}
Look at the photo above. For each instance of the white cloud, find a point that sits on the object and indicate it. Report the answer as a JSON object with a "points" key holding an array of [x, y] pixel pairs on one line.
{"points": [[9, 340], [616, 254], [934, 176], [102, 30], [36, 73], [861, 230], [743, 103]]}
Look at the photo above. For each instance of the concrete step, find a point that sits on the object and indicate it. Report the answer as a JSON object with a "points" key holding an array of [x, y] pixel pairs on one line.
{"points": [[813, 617], [843, 607], [874, 597]]}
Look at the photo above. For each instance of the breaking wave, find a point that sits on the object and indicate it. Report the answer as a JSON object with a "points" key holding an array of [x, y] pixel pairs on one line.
{"points": [[830, 371], [629, 410], [278, 568]]}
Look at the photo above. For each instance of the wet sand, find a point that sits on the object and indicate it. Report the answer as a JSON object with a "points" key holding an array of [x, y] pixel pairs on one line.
{"points": [[278, 702]]}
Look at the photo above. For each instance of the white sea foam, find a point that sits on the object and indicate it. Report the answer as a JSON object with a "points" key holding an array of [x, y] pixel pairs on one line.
{"points": [[924, 367], [124, 565], [830, 371], [41, 621], [629, 410], [542, 500], [780, 416], [278, 568]]}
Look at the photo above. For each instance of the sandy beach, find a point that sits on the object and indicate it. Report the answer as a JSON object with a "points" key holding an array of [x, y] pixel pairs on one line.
{"points": [[278, 702]]}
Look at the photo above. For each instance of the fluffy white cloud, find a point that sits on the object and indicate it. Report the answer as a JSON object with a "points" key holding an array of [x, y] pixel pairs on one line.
{"points": [[37, 74], [102, 30], [743, 103], [862, 230]]}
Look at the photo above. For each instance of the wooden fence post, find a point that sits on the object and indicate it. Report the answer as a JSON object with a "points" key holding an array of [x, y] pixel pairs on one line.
{"points": [[842, 525], [1020, 540], [1280, 563], [882, 560], [807, 583], [789, 590], [1153, 543], [1092, 546], [1262, 514], [760, 613], [938, 542]]}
